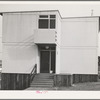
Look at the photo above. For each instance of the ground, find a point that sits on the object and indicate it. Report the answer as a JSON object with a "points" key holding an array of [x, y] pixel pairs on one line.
{"points": [[90, 86]]}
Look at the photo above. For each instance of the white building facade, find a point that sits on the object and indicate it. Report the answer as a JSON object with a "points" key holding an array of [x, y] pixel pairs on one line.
{"points": [[61, 46]]}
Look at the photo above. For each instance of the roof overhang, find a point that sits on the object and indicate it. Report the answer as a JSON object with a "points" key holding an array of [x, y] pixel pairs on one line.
{"points": [[1, 13]]}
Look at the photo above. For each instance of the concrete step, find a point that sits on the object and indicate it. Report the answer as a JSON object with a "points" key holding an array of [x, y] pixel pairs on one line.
{"points": [[42, 80], [41, 86], [44, 76]]}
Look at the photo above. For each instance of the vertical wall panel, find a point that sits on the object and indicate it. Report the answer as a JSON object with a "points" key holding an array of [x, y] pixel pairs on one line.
{"points": [[99, 45], [79, 42], [79, 32], [79, 61], [19, 26], [19, 59], [0, 37], [19, 50]]}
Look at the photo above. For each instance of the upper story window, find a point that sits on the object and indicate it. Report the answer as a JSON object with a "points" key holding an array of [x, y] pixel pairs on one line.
{"points": [[47, 22]]}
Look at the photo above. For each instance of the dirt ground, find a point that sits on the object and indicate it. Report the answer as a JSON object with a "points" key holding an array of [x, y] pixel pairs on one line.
{"points": [[90, 86]]}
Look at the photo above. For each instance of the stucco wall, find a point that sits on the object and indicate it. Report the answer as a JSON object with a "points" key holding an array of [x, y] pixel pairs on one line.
{"points": [[79, 41]]}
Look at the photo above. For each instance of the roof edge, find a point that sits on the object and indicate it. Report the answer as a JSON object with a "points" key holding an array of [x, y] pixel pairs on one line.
{"points": [[80, 17], [1, 13]]}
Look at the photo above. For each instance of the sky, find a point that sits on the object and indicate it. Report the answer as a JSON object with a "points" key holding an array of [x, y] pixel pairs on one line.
{"points": [[67, 9]]}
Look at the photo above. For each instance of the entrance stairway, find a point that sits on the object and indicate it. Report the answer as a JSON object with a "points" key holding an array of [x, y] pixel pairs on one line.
{"points": [[42, 80]]}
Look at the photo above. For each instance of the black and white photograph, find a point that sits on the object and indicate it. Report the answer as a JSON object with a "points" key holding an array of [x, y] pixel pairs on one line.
{"points": [[50, 46]]}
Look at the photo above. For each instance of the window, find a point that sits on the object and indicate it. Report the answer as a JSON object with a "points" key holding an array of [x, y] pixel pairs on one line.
{"points": [[52, 23], [43, 16], [52, 16], [47, 21], [43, 23]]}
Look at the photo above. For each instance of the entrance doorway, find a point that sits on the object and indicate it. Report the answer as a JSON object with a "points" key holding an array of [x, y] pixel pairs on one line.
{"points": [[47, 59]]}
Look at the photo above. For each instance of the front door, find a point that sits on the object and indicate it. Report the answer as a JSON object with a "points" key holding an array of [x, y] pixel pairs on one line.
{"points": [[45, 57]]}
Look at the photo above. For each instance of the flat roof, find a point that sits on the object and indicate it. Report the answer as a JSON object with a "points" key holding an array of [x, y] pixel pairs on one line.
{"points": [[30, 11], [1, 13]]}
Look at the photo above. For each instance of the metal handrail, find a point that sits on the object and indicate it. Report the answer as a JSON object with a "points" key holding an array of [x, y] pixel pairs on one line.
{"points": [[33, 72]]}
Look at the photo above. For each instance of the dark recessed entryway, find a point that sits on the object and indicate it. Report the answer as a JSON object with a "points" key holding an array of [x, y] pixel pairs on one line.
{"points": [[47, 58]]}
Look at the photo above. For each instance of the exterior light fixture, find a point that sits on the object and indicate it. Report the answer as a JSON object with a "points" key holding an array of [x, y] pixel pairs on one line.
{"points": [[47, 47]]}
